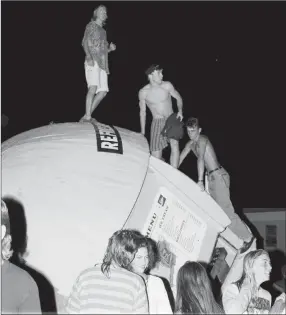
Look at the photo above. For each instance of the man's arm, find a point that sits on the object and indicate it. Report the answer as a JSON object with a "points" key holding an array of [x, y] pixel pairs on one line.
{"points": [[201, 161], [185, 152], [85, 41], [174, 93], [142, 105], [91, 39], [86, 48]]}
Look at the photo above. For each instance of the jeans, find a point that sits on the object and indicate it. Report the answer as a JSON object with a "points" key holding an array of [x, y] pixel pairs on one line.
{"points": [[218, 186]]}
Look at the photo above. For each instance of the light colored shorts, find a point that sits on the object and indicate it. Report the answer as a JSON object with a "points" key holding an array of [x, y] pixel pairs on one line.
{"points": [[96, 76]]}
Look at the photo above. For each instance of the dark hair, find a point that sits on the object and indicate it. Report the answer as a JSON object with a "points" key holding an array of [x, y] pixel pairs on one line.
{"points": [[194, 291], [248, 262], [192, 122], [153, 252], [152, 68], [121, 249]]}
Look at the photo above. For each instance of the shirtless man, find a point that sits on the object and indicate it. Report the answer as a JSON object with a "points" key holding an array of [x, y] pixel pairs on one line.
{"points": [[217, 178], [96, 49], [157, 96]]}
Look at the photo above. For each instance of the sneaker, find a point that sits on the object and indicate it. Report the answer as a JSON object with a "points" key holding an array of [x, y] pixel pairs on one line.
{"points": [[246, 245]]}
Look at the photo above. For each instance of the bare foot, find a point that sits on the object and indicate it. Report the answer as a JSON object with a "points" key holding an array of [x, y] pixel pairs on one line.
{"points": [[85, 119]]}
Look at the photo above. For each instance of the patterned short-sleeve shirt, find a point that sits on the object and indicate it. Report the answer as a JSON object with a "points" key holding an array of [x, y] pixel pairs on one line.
{"points": [[98, 45]]}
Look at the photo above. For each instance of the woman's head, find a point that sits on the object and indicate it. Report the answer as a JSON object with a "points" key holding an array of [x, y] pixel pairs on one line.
{"points": [[145, 258], [121, 249], [194, 292], [256, 267]]}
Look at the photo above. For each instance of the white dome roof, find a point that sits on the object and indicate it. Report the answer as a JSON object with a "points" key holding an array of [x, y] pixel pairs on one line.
{"points": [[74, 195]]}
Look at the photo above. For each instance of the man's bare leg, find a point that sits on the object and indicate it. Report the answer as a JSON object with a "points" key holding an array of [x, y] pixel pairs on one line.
{"points": [[97, 99], [91, 93], [157, 154], [175, 153]]}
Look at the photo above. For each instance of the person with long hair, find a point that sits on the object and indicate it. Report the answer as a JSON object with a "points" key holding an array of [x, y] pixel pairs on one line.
{"points": [[19, 291], [145, 259], [109, 288], [245, 296], [194, 291]]}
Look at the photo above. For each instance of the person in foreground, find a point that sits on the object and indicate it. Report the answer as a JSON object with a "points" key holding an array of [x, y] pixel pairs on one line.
{"points": [[144, 261], [19, 291], [194, 292], [109, 288], [96, 50], [246, 296], [157, 97], [217, 177]]}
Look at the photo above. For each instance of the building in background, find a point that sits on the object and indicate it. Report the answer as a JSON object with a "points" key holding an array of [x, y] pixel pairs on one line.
{"points": [[270, 223]]}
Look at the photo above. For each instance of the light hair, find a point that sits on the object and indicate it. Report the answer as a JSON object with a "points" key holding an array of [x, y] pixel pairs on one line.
{"points": [[6, 252], [94, 15], [248, 262]]}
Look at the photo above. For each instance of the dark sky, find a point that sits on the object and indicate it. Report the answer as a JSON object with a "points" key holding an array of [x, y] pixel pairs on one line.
{"points": [[227, 59]]}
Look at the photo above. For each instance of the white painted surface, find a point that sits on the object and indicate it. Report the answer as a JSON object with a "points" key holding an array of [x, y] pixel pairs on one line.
{"points": [[76, 197]]}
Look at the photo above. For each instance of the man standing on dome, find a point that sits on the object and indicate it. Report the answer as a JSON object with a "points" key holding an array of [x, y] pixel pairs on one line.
{"points": [[167, 126], [96, 50]]}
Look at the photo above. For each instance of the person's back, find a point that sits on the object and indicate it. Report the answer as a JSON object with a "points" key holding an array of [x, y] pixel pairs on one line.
{"points": [[19, 292], [120, 292], [194, 292]]}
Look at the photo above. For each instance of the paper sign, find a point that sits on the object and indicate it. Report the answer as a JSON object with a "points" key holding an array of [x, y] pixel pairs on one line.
{"points": [[178, 231]]}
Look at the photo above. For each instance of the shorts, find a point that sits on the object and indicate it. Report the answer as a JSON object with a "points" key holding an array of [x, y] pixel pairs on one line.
{"points": [[95, 76], [157, 140]]}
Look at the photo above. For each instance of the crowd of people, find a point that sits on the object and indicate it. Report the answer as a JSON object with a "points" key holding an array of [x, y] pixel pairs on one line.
{"points": [[123, 283]]}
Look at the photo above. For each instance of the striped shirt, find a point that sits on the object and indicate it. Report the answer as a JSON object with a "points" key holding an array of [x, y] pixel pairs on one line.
{"points": [[121, 292]]}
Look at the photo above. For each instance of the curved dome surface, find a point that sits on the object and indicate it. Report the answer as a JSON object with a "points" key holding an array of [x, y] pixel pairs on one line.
{"points": [[77, 183]]}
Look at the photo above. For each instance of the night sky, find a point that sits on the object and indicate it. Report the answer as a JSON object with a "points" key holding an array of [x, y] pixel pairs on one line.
{"points": [[227, 60]]}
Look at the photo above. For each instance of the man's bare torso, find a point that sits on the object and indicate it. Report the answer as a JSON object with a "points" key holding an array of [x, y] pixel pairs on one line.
{"points": [[158, 99], [208, 152]]}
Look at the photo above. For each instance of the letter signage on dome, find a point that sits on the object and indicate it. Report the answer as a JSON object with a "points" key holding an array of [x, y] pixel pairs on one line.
{"points": [[108, 139]]}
